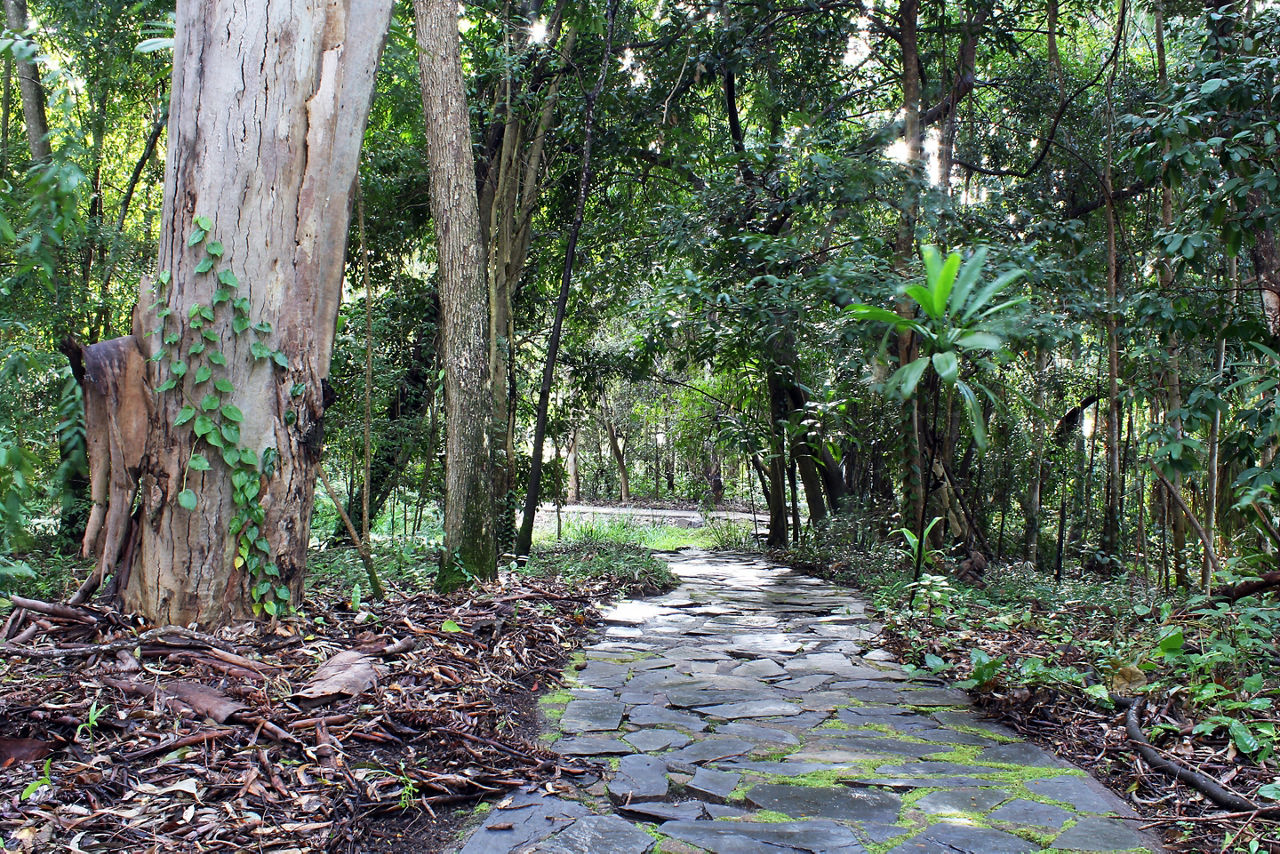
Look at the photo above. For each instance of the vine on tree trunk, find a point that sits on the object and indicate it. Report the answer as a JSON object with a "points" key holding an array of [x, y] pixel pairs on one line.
{"points": [[203, 379]]}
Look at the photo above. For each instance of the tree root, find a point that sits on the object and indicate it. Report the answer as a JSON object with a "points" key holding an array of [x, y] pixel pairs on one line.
{"points": [[1206, 786]]}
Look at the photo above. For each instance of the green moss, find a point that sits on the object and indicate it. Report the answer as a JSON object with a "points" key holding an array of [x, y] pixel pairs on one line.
{"points": [[550, 737], [482, 808], [771, 816], [834, 723], [556, 698], [965, 754]]}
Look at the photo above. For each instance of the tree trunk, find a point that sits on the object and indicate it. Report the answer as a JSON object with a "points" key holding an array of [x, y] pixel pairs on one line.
{"points": [[470, 547], [33, 103], [914, 474], [619, 457], [264, 136], [575, 480], [776, 492]]}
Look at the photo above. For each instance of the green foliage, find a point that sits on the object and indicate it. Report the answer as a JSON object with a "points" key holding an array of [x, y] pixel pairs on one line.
{"points": [[958, 318]]}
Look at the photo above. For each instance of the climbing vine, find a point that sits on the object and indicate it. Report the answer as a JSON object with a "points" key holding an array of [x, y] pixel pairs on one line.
{"points": [[202, 376]]}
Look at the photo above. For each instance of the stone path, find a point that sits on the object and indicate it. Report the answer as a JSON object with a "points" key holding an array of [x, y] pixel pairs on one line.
{"points": [[749, 711]]}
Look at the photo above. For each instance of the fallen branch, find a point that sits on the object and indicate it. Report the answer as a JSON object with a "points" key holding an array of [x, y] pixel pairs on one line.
{"points": [[1206, 786], [149, 636]]}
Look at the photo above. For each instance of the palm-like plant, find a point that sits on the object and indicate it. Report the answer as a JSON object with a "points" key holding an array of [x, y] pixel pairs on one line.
{"points": [[956, 317]]}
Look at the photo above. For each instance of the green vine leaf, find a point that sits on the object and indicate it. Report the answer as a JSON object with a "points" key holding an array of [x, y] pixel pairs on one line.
{"points": [[217, 358], [280, 359], [196, 348], [205, 265], [214, 248], [198, 463], [223, 385], [197, 234], [188, 412], [232, 413], [187, 499], [166, 386], [231, 433], [239, 324], [203, 223], [209, 403], [178, 369], [229, 279], [203, 373], [203, 426]]}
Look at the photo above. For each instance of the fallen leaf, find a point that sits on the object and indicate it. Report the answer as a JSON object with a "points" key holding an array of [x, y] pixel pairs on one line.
{"points": [[346, 674]]}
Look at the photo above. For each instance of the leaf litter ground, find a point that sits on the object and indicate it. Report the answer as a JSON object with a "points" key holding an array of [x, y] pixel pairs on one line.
{"points": [[329, 731]]}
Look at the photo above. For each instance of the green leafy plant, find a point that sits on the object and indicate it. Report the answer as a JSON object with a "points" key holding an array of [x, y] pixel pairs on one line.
{"points": [[45, 779], [201, 376]]}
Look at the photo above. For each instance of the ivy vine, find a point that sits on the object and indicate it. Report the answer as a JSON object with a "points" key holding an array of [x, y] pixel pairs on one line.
{"points": [[202, 376]]}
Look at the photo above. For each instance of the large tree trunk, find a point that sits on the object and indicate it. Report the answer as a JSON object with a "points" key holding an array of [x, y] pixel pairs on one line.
{"points": [[470, 547], [268, 115], [33, 112]]}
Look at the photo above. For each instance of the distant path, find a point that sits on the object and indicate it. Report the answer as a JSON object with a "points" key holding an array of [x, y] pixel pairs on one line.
{"points": [[750, 711], [650, 515]]}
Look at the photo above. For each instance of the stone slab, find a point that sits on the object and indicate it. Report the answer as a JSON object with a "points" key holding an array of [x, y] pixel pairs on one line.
{"points": [[948, 838], [712, 785], [532, 818], [639, 778], [840, 804], [591, 716], [598, 834], [730, 836]]}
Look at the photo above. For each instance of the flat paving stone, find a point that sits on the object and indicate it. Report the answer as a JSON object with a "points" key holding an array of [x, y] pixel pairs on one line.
{"points": [[663, 811], [713, 785], [1077, 792], [968, 800], [1021, 753], [736, 837], [529, 818], [591, 716], [1099, 834], [757, 734], [1032, 814], [752, 709], [598, 834], [839, 804], [654, 740], [639, 778], [659, 716], [589, 745], [707, 750], [948, 838]]}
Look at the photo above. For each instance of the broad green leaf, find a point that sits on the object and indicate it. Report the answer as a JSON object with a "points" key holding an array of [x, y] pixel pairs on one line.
{"points": [[229, 279], [205, 265], [188, 412], [1172, 640], [198, 463], [905, 379], [203, 373], [204, 223], [925, 297], [187, 499], [197, 234], [214, 248], [450, 626], [883, 315], [1244, 738], [975, 416], [223, 385], [967, 278], [203, 425], [980, 341], [941, 286], [981, 300], [232, 413], [947, 366], [209, 403]]}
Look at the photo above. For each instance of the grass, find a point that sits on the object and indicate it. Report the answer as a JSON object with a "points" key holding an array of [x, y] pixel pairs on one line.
{"points": [[632, 568]]}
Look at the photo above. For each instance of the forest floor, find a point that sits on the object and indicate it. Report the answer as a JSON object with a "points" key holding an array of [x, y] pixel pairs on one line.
{"points": [[348, 726]]}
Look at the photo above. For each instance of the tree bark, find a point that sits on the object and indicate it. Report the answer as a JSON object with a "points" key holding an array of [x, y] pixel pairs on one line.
{"points": [[470, 547], [269, 109], [33, 101]]}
